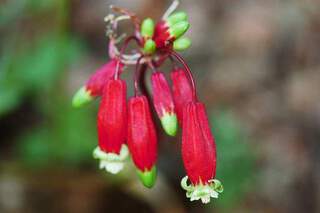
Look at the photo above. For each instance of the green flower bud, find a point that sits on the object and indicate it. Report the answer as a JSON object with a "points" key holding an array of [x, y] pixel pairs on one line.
{"points": [[181, 44], [176, 18], [179, 29], [148, 178], [149, 46], [147, 28]]}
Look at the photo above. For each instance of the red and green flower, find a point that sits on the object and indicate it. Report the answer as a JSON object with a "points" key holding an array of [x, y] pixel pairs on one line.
{"points": [[128, 128]]}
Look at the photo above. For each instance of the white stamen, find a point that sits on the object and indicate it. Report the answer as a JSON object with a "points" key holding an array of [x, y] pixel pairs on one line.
{"points": [[171, 9]]}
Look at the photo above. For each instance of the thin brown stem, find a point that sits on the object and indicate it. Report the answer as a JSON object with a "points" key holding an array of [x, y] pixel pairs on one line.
{"points": [[173, 62], [152, 65], [161, 59], [141, 80], [136, 76], [124, 47], [134, 18]]}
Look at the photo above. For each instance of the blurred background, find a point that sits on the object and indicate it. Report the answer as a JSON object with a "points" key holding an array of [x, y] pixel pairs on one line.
{"points": [[257, 67]]}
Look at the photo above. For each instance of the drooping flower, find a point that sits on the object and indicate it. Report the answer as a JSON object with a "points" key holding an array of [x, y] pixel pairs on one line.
{"points": [[199, 154], [118, 125], [181, 90], [142, 139], [112, 126], [94, 86], [170, 29], [163, 102]]}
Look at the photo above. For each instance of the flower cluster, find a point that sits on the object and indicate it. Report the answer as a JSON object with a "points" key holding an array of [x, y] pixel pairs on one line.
{"points": [[126, 127]]}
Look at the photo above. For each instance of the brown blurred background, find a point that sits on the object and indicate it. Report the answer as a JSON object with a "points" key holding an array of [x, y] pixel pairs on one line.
{"points": [[257, 67]]}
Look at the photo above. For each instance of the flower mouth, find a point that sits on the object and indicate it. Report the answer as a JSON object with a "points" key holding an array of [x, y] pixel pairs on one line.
{"points": [[202, 191], [111, 162]]}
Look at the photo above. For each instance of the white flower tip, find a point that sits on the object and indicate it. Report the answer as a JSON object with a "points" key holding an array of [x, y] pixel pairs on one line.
{"points": [[205, 200], [202, 192], [111, 162], [112, 167], [108, 18], [214, 194]]}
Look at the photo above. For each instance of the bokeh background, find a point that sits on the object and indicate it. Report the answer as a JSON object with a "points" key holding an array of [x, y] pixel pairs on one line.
{"points": [[257, 67]]}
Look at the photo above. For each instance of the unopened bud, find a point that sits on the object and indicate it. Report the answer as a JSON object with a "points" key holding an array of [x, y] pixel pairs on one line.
{"points": [[181, 44]]}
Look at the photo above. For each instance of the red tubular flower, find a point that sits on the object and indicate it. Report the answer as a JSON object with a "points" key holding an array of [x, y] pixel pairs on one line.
{"points": [[112, 126], [181, 90], [96, 82], [142, 139], [199, 154], [112, 117], [163, 102]]}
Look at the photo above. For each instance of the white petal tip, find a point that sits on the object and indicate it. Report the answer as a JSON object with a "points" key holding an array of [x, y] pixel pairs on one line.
{"points": [[111, 162], [203, 192], [112, 167]]}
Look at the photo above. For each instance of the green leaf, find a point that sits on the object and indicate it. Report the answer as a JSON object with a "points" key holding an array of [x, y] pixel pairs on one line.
{"points": [[9, 98], [38, 65], [33, 67], [35, 148], [235, 158]]}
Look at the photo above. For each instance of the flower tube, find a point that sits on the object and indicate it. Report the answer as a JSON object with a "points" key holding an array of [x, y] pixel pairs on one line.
{"points": [[199, 155], [112, 127], [163, 102], [142, 139]]}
